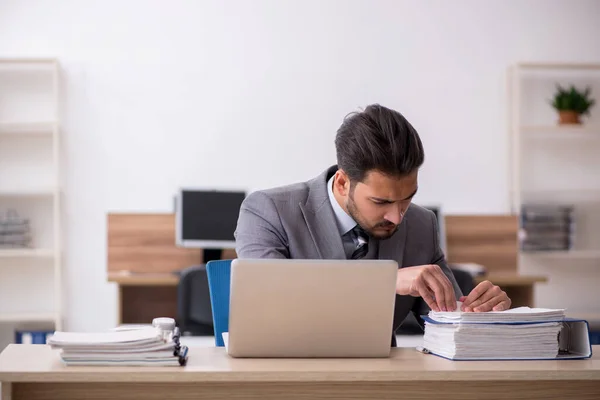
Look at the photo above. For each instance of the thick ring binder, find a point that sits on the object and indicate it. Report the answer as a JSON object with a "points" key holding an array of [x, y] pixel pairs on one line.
{"points": [[573, 341]]}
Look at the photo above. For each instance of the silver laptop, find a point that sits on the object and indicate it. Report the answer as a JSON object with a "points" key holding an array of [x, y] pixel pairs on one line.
{"points": [[311, 308]]}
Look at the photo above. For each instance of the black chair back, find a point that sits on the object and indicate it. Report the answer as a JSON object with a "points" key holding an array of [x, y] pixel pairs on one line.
{"points": [[194, 313]]}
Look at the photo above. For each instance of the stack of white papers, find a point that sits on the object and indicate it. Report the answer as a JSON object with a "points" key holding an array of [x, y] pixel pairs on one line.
{"points": [[519, 333], [136, 347]]}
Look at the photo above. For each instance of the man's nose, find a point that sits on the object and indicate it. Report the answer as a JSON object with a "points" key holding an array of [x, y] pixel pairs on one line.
{"points": [[395, 215]]}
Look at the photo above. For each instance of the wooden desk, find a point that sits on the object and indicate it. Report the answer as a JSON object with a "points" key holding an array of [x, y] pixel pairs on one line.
{"points": [[144, 244], [143, 296], [35, 372]]}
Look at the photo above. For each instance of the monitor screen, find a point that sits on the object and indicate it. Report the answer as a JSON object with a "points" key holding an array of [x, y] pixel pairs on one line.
{"points": [[207, 219]]}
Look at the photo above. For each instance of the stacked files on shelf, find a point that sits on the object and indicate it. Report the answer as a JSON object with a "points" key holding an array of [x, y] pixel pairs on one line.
{"points": [[518, 333], [546, 227], [134, 347]]}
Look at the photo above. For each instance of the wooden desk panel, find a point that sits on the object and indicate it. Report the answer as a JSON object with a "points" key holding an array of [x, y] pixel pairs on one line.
{"points": [[143, 279], [35, 372], [144, 303], [432, 389], [489, 240], [146, 243]]}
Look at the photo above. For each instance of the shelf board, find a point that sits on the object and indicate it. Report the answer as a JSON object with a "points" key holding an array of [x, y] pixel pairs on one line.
{"points": [[20, 193], [558, 65], [562, 196], [26, 253], [24, 129], [27, 64], [27, 317], [564, 254], [561, 131], [27, 60]]}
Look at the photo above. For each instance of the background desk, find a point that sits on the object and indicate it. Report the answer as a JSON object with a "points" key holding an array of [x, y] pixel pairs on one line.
{"points": [[35, 372], [143, 296], [143, 259]]}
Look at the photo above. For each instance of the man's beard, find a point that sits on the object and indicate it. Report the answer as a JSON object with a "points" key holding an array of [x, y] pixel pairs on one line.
{"points": [[353, 211]]}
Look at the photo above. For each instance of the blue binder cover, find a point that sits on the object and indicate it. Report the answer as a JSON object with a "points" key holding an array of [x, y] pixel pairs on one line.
{"points": [[573, 340]]}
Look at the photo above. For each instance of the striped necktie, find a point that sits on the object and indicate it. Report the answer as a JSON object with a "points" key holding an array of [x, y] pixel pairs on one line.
{"points": [[363, 243]]}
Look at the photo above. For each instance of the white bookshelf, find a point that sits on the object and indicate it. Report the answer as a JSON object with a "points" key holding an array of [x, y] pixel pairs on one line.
{"points": [[31, 290], [27, 253], [28, 128], [28, 317], [558, 165]]}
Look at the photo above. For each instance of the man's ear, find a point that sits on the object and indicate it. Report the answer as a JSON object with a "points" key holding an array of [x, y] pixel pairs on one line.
{"points": [[342, 182]]}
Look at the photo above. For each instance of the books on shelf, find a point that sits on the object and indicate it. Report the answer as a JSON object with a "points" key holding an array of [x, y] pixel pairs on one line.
{"points": [[144, 346], [516, 334], [15, 231], [546, 227]]}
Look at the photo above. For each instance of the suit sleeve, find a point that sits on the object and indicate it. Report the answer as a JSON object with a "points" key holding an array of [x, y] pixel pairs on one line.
{"points": [[420, 307], [259, 232]]}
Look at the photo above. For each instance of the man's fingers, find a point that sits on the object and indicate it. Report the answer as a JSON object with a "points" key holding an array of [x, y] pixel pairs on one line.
{"points": [[441, 287], [450, 295], [489, 304], [503, 305], [477, 292], [427, 295], [449, 298], [433, 285], [493, 292]]}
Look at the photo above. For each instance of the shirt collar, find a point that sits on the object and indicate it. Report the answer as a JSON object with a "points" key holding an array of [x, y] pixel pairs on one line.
{"points": [[345, 222]]}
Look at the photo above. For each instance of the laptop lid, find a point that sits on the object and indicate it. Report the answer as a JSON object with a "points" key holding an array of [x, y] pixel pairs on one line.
{"points": [[311, 308]]}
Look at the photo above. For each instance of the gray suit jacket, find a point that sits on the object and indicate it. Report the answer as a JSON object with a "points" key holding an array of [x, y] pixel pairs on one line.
{"points": [[297, 221]]}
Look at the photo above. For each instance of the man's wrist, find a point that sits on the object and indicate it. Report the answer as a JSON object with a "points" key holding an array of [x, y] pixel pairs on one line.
{"points": [[402, 287]]}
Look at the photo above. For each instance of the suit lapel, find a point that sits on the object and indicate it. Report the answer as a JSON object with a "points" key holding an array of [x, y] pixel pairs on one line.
{"points": [[393, 248], [320, 219]]}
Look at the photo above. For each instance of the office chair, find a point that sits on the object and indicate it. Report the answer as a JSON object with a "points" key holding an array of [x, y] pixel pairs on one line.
{"points": [[219, 280], [194, 313]]}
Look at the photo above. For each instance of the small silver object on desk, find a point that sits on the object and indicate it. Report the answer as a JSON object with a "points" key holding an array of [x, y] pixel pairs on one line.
{"points": [[166, 326]]}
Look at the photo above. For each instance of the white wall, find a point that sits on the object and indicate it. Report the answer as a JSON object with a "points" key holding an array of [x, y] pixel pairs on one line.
{"points": [[160, 94]]}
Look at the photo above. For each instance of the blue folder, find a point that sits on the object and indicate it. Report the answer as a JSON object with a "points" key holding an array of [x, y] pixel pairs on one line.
{"points": [[573, 340]]}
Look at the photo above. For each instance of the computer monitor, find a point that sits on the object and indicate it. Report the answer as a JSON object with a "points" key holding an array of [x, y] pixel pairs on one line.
{"points": [[207, 219]]}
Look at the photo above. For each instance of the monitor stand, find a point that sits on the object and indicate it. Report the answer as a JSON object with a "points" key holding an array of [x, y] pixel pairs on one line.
{"points": [[211, 255]]}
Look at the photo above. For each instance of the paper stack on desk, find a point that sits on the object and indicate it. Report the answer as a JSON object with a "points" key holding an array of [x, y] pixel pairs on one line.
{"points": [[519, 333], [134, 347]]}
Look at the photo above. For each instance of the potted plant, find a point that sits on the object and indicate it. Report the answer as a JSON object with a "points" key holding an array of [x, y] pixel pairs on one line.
{"points": [[571, 104]]}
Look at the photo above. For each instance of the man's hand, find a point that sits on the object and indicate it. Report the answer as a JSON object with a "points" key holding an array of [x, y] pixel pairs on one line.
{"points": [[486, 297], [429, 282]]}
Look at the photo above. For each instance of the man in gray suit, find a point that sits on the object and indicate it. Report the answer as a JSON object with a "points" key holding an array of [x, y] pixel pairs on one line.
{"points": [[361, 208]]}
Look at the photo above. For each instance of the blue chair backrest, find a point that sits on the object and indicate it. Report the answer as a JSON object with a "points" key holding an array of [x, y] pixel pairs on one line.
{"points": [[219, 281]]}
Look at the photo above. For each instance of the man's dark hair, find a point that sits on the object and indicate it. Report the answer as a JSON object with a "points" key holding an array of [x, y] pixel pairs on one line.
{"points": [[377, 138]]}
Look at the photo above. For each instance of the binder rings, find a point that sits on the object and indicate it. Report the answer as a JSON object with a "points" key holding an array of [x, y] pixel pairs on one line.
{"points": [[573, 340]]}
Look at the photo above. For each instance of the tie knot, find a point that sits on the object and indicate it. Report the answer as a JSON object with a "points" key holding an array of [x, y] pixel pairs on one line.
{"points": [[361, 235], [363, 243]]}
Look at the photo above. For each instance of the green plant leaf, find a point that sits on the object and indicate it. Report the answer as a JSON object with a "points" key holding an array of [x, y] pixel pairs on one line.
{"points": [[572, 99]]}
